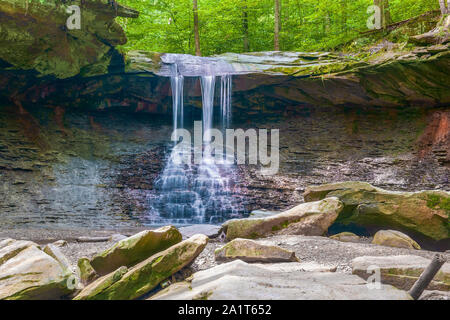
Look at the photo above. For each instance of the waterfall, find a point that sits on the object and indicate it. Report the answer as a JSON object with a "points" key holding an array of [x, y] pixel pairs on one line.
{"points": [[225, 100], [200, 193], [177, 84]]}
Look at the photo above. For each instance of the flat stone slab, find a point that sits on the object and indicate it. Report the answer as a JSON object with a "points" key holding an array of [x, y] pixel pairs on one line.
{"points": [[252, 251], [209, 230], [239, 280], [402, 271]]}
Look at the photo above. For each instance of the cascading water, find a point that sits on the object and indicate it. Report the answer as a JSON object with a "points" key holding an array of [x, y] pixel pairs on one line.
{"points": [[200, 193]]}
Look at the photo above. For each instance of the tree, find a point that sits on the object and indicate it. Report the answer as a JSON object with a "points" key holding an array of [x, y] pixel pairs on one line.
{"points": [[196, 29], [245, 27], [444, 10], [276, 38], [385, 12]]}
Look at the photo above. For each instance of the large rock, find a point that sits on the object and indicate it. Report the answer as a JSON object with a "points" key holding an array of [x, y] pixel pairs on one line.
{"points": [[34, 36], [54, 252], [440, 34], [393, 238], [345, 237], [252, 251], [27, 273], [402, 271], [145, 276], [312, 219], [238, 280], [129, 251], [87, 273], [424, 212]]}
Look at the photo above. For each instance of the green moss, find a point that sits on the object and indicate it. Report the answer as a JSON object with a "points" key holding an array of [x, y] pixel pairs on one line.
{"points": [[254, 235]]}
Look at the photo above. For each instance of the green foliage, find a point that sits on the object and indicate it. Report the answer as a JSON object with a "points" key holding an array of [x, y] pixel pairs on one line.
{"points": [[306, 25]]}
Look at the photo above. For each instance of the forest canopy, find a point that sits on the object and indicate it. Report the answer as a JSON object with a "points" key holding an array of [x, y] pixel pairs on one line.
{"points": [[248, 25]]}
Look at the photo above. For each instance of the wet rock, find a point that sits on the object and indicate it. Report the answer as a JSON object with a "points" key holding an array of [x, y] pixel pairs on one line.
{"points": [[252, 251], [238, 280], [345, 237], [401, 271], [27, 273], [87, 272], [146, 275], [424, 212], [312, 218], [129, 251], [393, 238]]}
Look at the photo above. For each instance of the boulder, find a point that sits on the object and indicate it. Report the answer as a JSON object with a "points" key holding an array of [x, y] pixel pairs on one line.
{"points": [[401, 271], [424, 212], [54, 252], [146, 275], [211, 231], [252, 251], [129, 251], [97, 287], [87, 272], [440, 34], [312, 219], [117, 237], [393, 238], [28, 273], [345, 237], [238, 280]]}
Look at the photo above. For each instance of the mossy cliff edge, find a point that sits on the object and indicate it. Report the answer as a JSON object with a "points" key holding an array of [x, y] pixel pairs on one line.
{"points": [[405, 65], [34, 36]]}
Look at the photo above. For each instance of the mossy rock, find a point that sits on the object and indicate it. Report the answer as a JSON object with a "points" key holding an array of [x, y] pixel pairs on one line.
{"points": [[252, 251], [146, 275], [423, 212], [393, 238], [34, 36], [129, 251], [87, 272], [28, 273], [312, 219]]}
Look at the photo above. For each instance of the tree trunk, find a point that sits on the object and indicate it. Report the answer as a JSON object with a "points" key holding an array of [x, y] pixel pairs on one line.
{"points": [[385, 12], [344, 16], [245, 27], [196, 32], [444, 10], [276, 38]]}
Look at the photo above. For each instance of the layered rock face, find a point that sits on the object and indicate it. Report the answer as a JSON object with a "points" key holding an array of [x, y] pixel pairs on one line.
{"points": [[35, 36]]}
